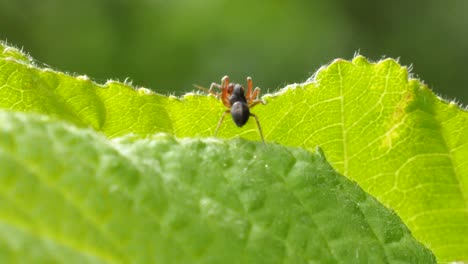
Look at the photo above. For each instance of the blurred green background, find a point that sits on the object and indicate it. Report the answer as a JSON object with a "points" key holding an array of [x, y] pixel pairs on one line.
{"points": [[169, 45]]}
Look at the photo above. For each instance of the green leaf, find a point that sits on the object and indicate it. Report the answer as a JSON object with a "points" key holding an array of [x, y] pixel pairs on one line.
{"points": [[388, 132], [71, 195], [393, 136]]}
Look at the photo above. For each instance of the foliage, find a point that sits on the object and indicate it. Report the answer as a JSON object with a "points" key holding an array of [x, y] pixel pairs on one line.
{"points": [[389, 133], [70, 195]]}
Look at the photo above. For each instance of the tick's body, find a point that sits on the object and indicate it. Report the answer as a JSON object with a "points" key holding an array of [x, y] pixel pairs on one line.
{"points": [[240, 111], [239, 103]]}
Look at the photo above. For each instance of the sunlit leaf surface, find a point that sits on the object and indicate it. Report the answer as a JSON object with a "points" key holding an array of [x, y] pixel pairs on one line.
{"points": [[388, 132]]}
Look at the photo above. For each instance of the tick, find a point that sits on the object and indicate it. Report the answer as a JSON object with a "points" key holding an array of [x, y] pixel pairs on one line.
{"points": [[237, 101]]}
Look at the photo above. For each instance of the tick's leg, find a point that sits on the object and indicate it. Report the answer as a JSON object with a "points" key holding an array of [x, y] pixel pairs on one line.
{"points": [[249, 89], [225, 79], [212, 86], [225, 91], [224, 83], [259, 127], [210, 91], [255, 102], [221, 121], [255, 94]]}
